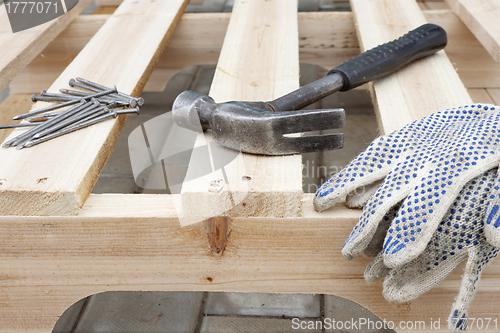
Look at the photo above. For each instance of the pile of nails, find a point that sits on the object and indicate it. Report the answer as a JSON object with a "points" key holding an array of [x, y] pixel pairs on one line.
{"points": [[95, 104]]}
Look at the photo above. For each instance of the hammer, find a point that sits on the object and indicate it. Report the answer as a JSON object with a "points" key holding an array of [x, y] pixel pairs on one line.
{"points": [[264, 127]]}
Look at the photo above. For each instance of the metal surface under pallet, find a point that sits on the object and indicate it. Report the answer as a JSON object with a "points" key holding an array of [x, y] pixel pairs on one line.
{"points": [[59, 243]]}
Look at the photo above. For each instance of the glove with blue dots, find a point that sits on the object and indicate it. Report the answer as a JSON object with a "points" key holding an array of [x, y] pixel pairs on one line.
{"points": [[460, 236], [422, 166], [492, 218]]}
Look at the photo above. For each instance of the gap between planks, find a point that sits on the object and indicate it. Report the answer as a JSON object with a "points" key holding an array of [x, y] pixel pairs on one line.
{"points": [[326, 39]]}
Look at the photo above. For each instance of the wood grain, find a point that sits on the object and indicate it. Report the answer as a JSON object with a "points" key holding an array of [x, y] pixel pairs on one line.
{"points": [[481, 17], [18, 49], [421, 88], [10, 107], [55, 178], [252, 66], [53, 60], [114, 3], [134, 242], [326, 39]]}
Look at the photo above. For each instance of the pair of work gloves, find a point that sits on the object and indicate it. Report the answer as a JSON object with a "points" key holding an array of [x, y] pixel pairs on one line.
{"points": [[431, 197]]}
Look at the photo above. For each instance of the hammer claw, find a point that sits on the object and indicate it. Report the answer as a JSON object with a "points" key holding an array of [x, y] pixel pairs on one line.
{"points": [[312, 143], [307, 120]]}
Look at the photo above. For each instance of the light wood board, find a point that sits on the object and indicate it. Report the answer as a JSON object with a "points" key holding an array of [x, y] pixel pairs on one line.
{"points": [[253, 66], [18, 49], [326, 39], [473, 64], [10, 107], [481, 17], [113, 3], [134, 242], [55, 178], [421, 88], [53, 60]]}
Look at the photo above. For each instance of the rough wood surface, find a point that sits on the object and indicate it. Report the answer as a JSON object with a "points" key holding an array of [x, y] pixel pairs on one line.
{"points": [[481, 17], [253, 67], [473, 64], [419, 89], [114, 3], [18, 49], [56, 177], [10, 107], [53, 60], [326, 39], [134, 242]]}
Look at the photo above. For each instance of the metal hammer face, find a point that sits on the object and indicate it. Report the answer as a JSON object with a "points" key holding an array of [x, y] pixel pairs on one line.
{"points": [[253, 127]]}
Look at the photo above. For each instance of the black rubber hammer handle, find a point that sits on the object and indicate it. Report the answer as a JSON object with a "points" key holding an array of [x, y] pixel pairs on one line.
{"points": [[388, 58]]}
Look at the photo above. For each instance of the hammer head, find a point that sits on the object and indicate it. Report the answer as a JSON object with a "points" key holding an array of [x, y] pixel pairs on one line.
{"points": [[253, 127]]}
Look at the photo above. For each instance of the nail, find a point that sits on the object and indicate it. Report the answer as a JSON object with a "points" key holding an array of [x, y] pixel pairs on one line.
{"points": [[109, 100], [73, 92], [28, 134], [68, 103], [103, 99], [135, 110], [48, 98], [112, 114], [112, 97], [20, 125], [47, 109], [140, 100], [42, 118], [70, 121]]}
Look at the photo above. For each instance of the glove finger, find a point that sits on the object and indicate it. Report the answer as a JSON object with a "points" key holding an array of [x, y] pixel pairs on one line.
{"points": [[376, 270], [492, 217], [478, 257], [436, 199], [411, 280], [370, 166], [377, 242], [360, 196], [393, 190]]}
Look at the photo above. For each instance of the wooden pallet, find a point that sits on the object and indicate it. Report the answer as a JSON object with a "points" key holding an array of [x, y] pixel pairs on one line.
{"points": [[59, 243]]}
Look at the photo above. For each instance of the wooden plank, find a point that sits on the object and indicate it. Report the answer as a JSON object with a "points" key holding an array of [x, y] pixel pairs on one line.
{"points": [[433, 5], [481, 17], [326, 39], [197, 40], [104, 10], [53, 60], [134, 242], [495, 95], [12, 106], [108, 3], [116, 3], [66, 169], [480, 96], [253, 67], [417, 90], [474, 65], [18, 49]]}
